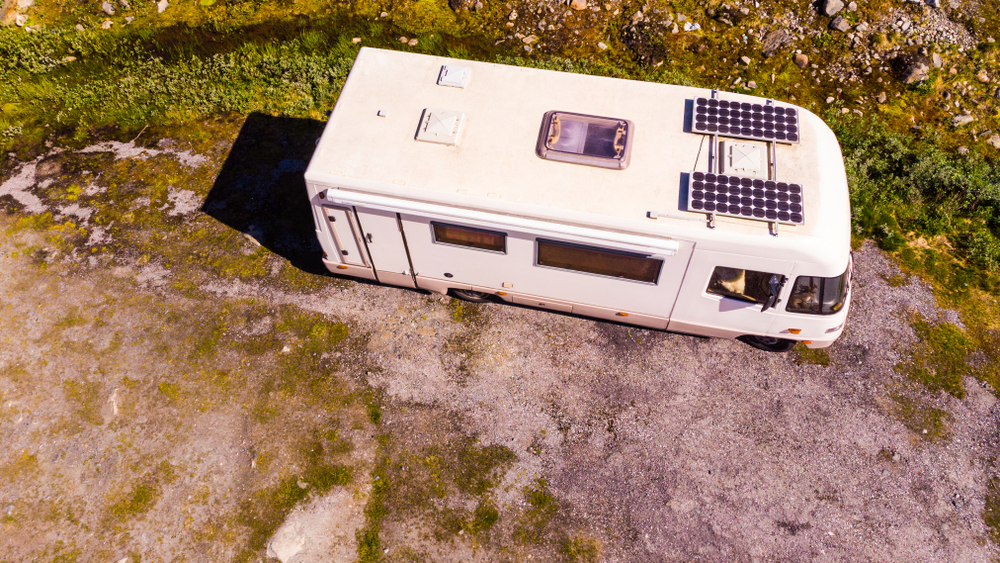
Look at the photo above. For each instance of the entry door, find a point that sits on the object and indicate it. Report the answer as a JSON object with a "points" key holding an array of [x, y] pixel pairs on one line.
{"points": [[386, 246], [345, 235]]}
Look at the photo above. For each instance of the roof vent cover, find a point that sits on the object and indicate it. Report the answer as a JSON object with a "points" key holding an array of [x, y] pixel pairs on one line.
{"points": [[441, 126], [454, 75]]}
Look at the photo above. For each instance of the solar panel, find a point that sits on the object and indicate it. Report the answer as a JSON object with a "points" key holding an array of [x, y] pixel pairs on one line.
{"points": [[744, 120], [746, 198]]}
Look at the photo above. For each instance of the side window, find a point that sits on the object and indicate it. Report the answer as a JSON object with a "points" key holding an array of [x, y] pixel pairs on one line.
{"points": [[819, 296], [600, 261], [745, 285], [470, 237]]}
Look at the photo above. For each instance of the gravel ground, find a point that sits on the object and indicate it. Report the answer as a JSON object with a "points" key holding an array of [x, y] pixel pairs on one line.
{"points": [[657, 447]]}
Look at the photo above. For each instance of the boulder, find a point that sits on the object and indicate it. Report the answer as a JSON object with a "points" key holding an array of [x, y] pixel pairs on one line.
{"points": [[801, 60], [578, 4], [831, 7], [962, 120], [840, 24], [912, 67], [994, 141], [775, 40]]}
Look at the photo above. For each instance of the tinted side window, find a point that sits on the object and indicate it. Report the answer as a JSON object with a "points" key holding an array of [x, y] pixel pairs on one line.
{"points": [[745, 285], [470, 237], [600, 261]]}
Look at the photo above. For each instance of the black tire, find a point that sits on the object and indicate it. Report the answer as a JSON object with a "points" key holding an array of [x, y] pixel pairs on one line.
{"points": [[767, 343], [472, 296]]}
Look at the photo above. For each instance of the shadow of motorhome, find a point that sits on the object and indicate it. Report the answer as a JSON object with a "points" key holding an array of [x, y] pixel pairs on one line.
{"points": [[260, 190]]}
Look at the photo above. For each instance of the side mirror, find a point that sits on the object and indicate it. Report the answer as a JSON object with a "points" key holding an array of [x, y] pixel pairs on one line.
{"points": [[775, 284]]}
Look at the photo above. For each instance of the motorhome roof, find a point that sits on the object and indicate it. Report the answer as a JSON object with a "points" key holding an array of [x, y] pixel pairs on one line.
{"points": [[370, 145]]}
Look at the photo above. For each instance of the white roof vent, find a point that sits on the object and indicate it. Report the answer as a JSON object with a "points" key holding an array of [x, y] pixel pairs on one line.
{"points": [[744, 158], [441, 126], [454, 75]]}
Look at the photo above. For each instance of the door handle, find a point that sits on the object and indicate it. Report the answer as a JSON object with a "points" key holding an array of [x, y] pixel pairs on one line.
{"points": [[369, 235]]}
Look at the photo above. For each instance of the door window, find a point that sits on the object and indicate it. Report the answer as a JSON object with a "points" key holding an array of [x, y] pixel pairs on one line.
{"points": [[819, 296], [745, 285]]}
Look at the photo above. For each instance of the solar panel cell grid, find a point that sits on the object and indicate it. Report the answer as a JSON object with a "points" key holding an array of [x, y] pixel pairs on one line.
{"points": [[746, 121], [753, 198]]}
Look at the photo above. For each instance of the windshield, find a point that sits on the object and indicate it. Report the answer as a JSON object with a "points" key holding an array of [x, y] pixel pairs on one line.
{"points": [[819, 296]]}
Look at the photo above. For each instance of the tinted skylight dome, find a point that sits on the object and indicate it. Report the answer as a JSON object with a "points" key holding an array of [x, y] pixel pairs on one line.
{"points": [[585, 139]]}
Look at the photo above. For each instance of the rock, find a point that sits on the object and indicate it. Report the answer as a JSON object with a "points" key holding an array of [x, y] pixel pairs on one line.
{"points": [[20, 20], [831, 7], [961, 150], [962, 120], [125, 4], [934, 3], [936, 60], [108, 8], [79, 27], [529, 39], [752, 85], [774, 41], [601, 45], [745, 60], [881, 97], [356, 40], [403, 39], [513, 15], [852, 7], [129, 19], [636, 18], [578, 4], [911, 68], [840, 24], [830, 99], [861, 27], [674, 29], [688, 26], [459, 5], [983, 76], [412, 42], [161, 6], [681, 18], [994, 141], [801, 60], [107, 24]]}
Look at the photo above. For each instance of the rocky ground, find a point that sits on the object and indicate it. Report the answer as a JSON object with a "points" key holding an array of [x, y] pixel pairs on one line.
{"points": [[175, 389], [181, 381]]}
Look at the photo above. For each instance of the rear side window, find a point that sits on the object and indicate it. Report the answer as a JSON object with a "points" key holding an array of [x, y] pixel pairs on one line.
{"points": [[736, 283], [819, 296], [599, 261], [481, 239]]}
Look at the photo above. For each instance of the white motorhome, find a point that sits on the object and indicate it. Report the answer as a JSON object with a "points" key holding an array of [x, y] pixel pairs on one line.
{"points": [[669, 207]]}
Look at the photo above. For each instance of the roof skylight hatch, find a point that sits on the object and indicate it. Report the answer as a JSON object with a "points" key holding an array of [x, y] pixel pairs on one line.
{"points": [[586, 139]]}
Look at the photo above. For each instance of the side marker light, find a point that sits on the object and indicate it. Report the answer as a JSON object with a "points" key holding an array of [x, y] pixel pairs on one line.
{"points": [[795, 330]]}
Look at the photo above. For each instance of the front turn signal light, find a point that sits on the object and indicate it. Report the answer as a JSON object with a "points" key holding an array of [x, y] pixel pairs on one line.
{"points": [[795, 330]]}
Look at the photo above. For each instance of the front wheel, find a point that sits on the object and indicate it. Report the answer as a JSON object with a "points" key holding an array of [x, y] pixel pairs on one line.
{"points": [[767, 343], [472, 296]]}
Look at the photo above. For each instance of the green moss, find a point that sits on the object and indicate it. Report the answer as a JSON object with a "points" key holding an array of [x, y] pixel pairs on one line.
{"points": [[25, 465], [171, 391], [991, 510], [939, 361], [73, 318], [86, 398], [143, 495], [929, 423], [804, 355], [580, 549], [534, 522]]}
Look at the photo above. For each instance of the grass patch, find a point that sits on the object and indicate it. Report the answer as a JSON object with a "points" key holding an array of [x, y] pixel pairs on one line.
{"points": [[578, 549], [817, 357], [24, 465], [939, 361], [991, 510], [264, 512], [534, 522], [144, 494], [929, 423], [85, 396]]}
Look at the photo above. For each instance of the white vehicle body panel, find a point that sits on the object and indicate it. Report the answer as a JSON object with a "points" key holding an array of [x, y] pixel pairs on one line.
{"points": [[369, 163]]}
